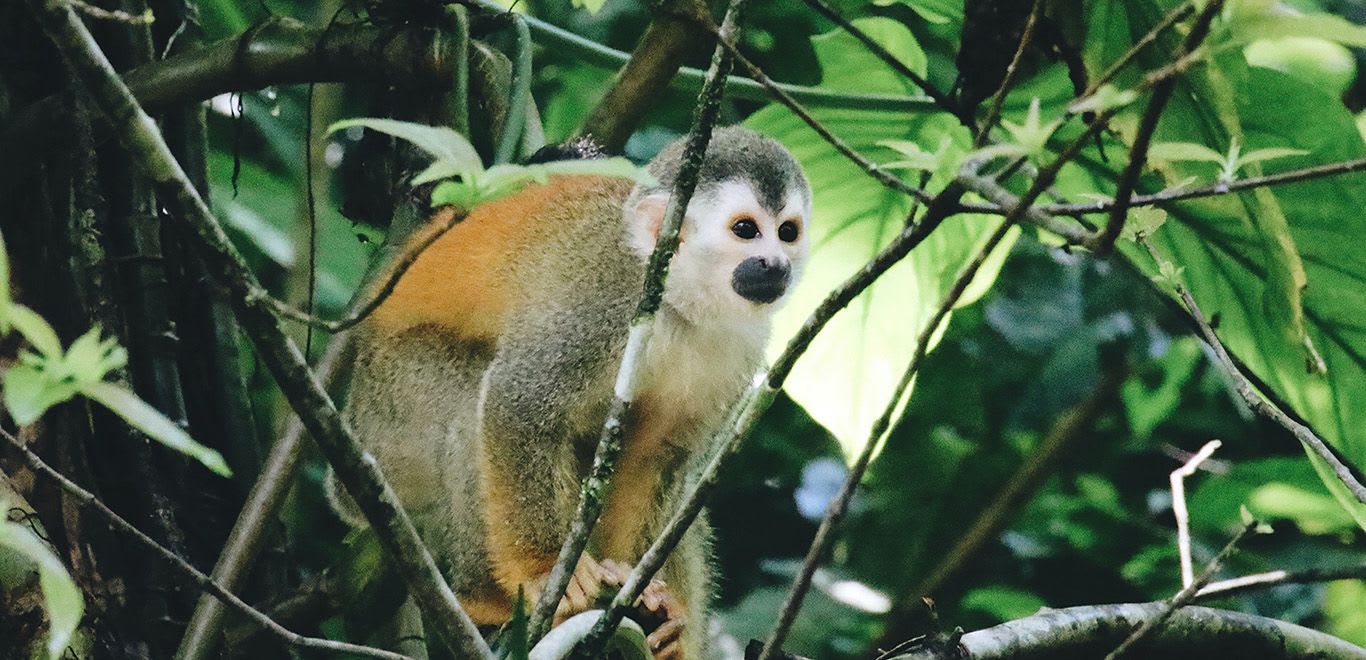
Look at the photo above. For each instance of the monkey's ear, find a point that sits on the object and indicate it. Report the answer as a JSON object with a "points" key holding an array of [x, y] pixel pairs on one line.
{"points": [[644, 217]]}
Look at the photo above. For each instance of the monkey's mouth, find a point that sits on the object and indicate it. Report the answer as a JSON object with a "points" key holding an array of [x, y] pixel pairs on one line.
{"points": [[760, 281]]}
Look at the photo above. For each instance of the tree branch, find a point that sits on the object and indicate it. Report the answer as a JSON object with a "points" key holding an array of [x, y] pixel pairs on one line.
{"points": [[249, 532], [357, 470], [1147, 125], [642, 327], [649, 72], [940, 98], [1238, 585], [837, 508], [1190, 632], [1254, 401], [1071, 426], [1182, 597], [87, 499]]}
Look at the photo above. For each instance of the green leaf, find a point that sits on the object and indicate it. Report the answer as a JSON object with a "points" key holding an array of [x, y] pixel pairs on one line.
{"points": [[444, 143], [30, 391], [1176, 151], [1107, 97], [62, 599], [157, 426], [35, 329], [1270, 22], [845, 379], [1032, 135], [90, 358], [1144, 222], [1237, 253], [455, 193], [1259, 155], [5, 297]]}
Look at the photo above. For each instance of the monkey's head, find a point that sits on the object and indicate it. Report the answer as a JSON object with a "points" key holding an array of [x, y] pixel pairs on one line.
{"points": [[744, 237]]}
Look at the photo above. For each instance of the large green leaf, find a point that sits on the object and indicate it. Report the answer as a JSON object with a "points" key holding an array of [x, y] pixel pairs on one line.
{"points": [[63, 599], [1243, 254], [846, 378]]}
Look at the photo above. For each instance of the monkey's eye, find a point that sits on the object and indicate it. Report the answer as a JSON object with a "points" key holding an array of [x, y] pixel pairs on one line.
{"points": [[745, 228], [788, 232]]}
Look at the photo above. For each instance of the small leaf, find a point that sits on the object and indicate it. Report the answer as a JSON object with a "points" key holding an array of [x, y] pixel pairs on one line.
{"points": [[35, 329], [157, 426], [455, 193], [63, 599], [90, 358], [5, 297], [1033, 134], [1173, 151], [1108, 97], [1259, 155], [442, 142], [443, 169], [30, 391], [1143, 222]]}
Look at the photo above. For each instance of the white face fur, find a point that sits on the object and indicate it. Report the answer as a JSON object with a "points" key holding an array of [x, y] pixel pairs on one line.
{"points": [[725, 226]]}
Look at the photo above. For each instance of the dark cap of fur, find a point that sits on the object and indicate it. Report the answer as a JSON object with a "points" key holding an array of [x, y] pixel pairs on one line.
{"points": [[579, 148], [737, 153]]}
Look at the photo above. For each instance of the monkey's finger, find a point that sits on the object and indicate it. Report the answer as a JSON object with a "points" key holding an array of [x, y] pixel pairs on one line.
{"points": [[667, 635]]}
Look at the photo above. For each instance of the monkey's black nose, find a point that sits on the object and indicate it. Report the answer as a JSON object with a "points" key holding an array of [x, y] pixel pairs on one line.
{"points": [[760, 279]]}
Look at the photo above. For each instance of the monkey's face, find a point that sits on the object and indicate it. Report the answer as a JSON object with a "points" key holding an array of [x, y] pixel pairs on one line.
{"points": [[738, 255]]}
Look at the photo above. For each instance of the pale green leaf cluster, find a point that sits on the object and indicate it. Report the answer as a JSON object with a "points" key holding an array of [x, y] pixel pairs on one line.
{"points": [[47, 375], [1107, 97], [1229, 163], [1028, 139], [62, 599], [465, 183]]}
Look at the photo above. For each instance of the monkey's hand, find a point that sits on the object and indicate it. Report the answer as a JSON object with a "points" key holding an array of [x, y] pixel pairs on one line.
{"points": [[585, 586], [658, 610]]}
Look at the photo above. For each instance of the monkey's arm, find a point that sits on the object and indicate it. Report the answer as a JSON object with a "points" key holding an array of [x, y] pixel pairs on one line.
{"points": [[541, 396]]}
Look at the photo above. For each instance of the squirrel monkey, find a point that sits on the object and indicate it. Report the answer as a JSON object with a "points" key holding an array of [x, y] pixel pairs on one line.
{"points": [[482, 383]]}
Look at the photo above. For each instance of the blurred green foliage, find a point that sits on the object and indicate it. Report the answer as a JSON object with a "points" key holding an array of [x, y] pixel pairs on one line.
{"points": [[1099, 527]]}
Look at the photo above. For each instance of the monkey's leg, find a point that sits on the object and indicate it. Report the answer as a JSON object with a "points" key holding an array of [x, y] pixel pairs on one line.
{"points": [[530, 479]]}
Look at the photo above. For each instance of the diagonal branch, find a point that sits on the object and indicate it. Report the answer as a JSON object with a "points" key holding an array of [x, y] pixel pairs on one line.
{"points": [[1259, 405], [358, 471], [1182, 597], [648, 73], [940, 98], [641, 329], [1147, 125], [88, 499]]}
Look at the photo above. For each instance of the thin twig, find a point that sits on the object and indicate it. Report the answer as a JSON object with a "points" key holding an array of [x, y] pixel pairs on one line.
{"points": [[940, 98], [1183, 531], [777, 92], [402, 262], [1183, 597], [248, 534], [357, 470], [1210, 190], [1147, 125], [1255, 401], [1070, 427], [89, 500], [1176, 15], [1008, 83], [834, 513], [641, 329], [1238, 585], [114, 15]]}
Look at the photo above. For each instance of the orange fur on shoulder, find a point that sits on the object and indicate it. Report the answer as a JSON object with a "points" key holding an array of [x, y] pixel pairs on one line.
{"points": [[462, 281]]}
